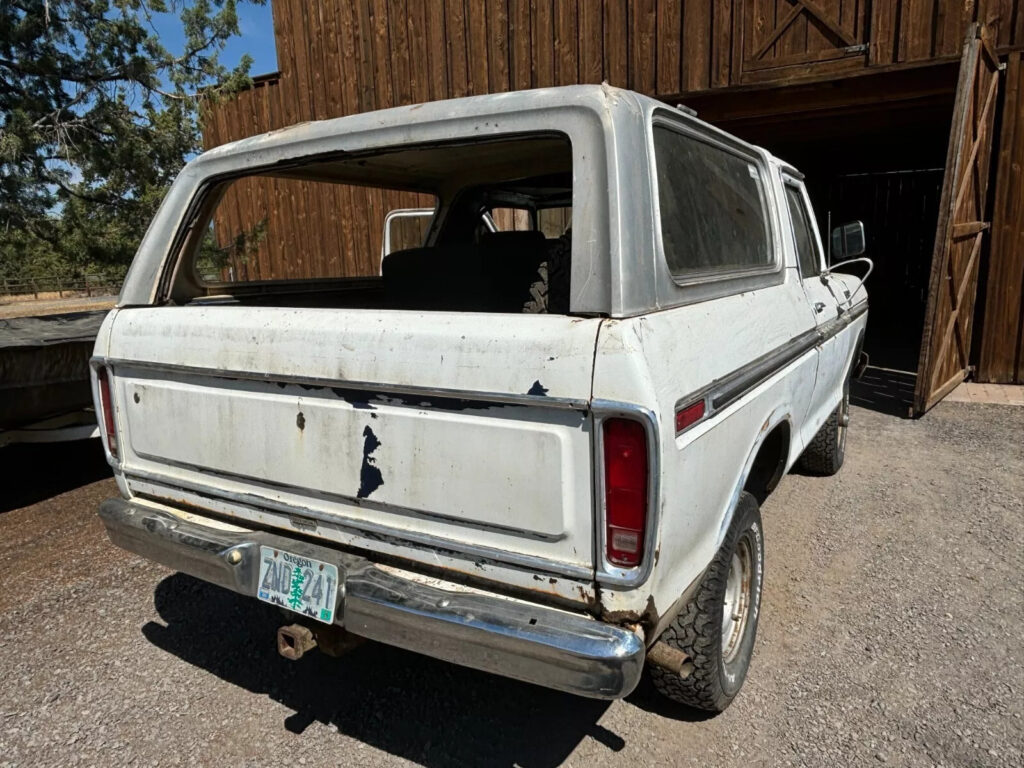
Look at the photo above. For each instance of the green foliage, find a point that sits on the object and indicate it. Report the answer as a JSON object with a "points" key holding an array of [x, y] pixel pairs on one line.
{"points": [[96, 119], [212, 259]]}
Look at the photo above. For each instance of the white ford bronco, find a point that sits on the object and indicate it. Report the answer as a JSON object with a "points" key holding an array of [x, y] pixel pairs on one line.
{"points": [[535, 441]]}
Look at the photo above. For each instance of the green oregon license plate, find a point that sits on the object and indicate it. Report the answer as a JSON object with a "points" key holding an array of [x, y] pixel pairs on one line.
{"points": [[298, 583]]}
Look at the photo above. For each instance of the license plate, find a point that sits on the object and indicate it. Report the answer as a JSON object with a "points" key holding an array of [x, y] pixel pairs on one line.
{"points": [[298, 583]]}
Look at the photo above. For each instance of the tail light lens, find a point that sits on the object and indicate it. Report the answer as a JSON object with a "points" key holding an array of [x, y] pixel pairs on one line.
{"points": [[107, 408], [625, 490]]}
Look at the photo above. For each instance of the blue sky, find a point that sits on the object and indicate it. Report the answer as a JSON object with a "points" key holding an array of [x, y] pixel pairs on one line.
{"points": [[257, 38]]}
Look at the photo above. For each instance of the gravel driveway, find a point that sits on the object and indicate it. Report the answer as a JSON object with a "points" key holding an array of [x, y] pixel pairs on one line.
{"points": [[891, 632]]}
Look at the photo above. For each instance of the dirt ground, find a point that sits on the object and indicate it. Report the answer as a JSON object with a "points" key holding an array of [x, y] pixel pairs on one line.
{"points": [[891, 633]]}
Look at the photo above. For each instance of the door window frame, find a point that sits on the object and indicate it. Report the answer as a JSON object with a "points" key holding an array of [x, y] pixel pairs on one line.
{"points": [[812, 224]]}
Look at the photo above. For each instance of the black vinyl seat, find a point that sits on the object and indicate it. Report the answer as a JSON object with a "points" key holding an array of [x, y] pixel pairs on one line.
{"points": [[494, 275]]}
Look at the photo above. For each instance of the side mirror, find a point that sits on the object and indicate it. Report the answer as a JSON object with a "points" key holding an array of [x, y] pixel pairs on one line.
{"points": [[848, 241]]}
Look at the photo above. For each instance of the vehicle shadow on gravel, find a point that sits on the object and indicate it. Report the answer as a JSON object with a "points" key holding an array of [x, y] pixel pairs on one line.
{"points": [[409, 705], [36, 472]]}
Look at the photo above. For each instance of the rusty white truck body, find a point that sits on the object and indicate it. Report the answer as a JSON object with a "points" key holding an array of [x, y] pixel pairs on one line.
{"points": [[446, 465]]}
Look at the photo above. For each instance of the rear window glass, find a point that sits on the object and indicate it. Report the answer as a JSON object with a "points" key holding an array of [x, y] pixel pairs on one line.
{"points": [[712, 206], [405, 227]]}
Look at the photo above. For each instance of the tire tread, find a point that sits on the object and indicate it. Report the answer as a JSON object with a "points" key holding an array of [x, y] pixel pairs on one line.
{"points": [[822, 455], [696, 630]]}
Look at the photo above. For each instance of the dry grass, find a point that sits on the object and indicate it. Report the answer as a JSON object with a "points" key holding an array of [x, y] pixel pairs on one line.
{"points": [[52, 304], [41, 296]]}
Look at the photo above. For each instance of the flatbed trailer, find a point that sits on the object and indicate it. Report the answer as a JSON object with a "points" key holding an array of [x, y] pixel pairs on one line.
{"points": [[45, 395]]}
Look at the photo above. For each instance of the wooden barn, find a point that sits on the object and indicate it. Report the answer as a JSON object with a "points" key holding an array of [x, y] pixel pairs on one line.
{"points": [[905, 114]]}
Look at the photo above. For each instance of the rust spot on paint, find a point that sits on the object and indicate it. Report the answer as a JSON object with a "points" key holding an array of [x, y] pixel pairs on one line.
{"points": [[648, 617], [300, 421]]}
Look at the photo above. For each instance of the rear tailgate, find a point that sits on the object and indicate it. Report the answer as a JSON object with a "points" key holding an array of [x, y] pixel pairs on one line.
{"points": [[462, 433]]}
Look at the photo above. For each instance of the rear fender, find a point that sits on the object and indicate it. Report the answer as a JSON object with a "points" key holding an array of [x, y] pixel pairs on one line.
{"points": [[777, 417]]}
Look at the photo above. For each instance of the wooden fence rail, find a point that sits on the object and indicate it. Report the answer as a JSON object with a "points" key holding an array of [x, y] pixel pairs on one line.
{"points": [[90, 285]]}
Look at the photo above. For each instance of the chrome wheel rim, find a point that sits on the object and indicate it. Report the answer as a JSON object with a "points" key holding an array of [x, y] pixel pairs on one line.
{"points": [[736, 605], [844, 421]]}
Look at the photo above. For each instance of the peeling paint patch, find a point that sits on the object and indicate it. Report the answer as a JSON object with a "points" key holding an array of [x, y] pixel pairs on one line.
{"points": [[300, 421], [370, 477], [356, 400], [538, 389]]}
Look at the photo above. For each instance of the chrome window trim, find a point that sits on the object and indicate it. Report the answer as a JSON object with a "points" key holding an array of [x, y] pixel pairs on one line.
{"points": [[608, 574], [797, 182], [728, 277]]}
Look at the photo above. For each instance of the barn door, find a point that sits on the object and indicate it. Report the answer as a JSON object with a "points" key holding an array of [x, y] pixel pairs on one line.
{"points": [[946, 342], [783, 39]]}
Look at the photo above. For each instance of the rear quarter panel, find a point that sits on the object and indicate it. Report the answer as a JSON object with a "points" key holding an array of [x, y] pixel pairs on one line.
{"points": [[662, 358]]}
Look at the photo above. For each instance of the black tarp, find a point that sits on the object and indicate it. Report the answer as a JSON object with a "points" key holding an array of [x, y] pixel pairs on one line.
{"points": [[44, 365]]}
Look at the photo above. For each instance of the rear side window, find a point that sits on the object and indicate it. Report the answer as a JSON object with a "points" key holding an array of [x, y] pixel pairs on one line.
{"points": [[714, 219]]}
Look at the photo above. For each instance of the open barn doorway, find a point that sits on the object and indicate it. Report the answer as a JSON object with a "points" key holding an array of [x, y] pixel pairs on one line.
{"points": [[888, 175], [882, 162], [908, 154], [892, 182]]}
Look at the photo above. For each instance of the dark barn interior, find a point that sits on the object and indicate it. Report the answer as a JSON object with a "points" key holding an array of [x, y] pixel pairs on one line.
{"points": [[880, 162]]}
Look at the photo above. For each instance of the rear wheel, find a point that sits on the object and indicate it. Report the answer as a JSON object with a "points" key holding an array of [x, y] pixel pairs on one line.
{"points": [[718, 626], [825, 454]]}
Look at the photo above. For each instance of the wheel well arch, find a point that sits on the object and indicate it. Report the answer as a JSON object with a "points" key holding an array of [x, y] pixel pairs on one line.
{"points": [[769, 463], [775, 435]]}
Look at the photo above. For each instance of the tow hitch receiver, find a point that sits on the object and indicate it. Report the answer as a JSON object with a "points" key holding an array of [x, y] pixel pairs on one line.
{"points": [[294, 640]]}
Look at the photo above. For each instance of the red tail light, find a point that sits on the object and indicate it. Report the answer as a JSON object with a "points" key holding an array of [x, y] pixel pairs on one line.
{"points": [[106, 406], [625, 490]]}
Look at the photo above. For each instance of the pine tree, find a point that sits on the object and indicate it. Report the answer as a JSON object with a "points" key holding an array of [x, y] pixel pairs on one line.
{"points": [[298, 579], [96, 120]]}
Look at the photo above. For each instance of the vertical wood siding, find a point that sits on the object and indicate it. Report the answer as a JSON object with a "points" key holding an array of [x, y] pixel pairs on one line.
{"points": [[339, 57], [1002, 342]]}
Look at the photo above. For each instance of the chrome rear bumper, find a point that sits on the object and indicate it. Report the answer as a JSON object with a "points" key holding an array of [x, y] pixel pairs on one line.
{"points": [[557, 649]]}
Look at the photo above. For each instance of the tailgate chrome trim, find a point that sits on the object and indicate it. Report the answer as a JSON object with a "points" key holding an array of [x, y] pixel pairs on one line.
{"points": [[366, 529], [458, 396], [334, 498], [566, 651]]}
